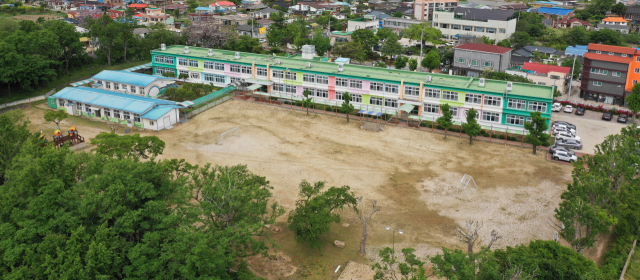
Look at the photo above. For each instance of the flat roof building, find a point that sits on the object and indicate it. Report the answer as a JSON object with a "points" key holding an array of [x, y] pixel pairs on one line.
{"points": [[475, 23], [500, 103]]}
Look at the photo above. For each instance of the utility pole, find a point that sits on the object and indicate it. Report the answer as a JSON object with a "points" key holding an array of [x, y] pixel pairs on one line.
{"points": [[571, 78]]}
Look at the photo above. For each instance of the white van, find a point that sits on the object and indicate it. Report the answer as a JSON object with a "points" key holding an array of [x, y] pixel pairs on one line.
{"points": [[556, 107]]}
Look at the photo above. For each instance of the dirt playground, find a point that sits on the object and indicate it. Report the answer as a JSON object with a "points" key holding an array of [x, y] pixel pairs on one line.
{"points": [[412, 174]]}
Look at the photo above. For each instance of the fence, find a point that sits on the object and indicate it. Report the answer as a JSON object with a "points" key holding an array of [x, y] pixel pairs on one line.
{"points": [[207, 106]]}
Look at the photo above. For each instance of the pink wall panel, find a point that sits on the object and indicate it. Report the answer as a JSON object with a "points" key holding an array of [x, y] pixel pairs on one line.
{"points": [[299, 90], [227, 67], [332, 94]]}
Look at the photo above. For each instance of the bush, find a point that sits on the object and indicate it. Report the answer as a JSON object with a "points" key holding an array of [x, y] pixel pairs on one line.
{"points": [[511, 138], [501, 137]]}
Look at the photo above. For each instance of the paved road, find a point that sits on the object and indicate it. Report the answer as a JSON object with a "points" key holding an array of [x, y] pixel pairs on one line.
{"points": [[591, 128]]}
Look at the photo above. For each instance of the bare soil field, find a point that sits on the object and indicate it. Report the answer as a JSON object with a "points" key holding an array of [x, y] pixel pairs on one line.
{"points": [[35, 17], [412, 174]]}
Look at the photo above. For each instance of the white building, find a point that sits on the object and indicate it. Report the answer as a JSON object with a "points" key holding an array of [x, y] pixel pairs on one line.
{"points": [[475, 23], [131, 82]]}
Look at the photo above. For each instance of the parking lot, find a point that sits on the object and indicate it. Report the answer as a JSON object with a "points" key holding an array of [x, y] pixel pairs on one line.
{"points": [[590, 127]]}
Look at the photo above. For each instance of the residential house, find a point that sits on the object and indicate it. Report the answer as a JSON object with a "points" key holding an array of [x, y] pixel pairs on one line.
{"points": [[173, 7], [385, 6], [471, 59], [518, 61], [577, 50], [475, 23], [573, 22], [264, 13], [141, 31], [550, 75], [615, 23], [304, 9], [376, 15], [281, 5], [514, 7], [605, 72], [195, 17], [423, 9], [363, 23], [227, 5], [239, 19], [398, 24], [340, 37], [138, 7], [252, 31], [529, 51], [252, 7], [264, 23], [154, 15], [474, 6], [555, 12], [632, 13], [115, 13]]}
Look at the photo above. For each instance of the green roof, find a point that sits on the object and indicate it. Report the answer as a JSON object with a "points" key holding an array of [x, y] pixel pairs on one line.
{"points": [[368, 73], [343, 33]]}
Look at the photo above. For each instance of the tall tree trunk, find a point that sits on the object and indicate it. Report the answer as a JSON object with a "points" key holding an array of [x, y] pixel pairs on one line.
{"points": [[363, 241], [307, 109], [109, 56], [347, 117], [470, 140], [445, 132], [125, 47], [534, 149]]}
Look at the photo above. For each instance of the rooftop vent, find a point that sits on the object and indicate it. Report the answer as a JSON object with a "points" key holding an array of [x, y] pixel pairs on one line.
{"points": [[428, 79], [274, 55], [186, 49], [278, 61], [308, 64], [509, 86], [237, 55], [482, 81], [340, 67], [163, 47], [210, 52]]}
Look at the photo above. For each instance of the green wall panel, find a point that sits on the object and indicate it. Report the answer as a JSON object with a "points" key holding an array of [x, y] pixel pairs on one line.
{"points": [[366, 99]]}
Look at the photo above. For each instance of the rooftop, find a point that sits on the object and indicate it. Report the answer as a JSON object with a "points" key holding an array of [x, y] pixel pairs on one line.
{"points": [[610, 58], [110, 99], [483, 48], [483, 14], [555, 11], [390, 75], [545, 68], [615, 19], [607, 48], [130, 78]]}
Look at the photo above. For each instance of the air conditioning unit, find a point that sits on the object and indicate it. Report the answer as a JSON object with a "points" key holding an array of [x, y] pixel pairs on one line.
{"points": [[482, 81], [340, 67], [308, 64], [278, 61], [163, 47], [210, 52], [237, 55], [509, 86], [428, 79], [186, 49]]}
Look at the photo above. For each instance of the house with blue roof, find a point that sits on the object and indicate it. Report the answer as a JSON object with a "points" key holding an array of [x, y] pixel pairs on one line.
{"points": [[555, 12], [131, 83], [127, 109]]}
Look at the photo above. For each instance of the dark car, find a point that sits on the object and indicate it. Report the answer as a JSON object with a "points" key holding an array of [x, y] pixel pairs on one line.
{"points": [[607, 116], [623, 118], [408, 52], [569, 143], [555, 148], [580, 111]]}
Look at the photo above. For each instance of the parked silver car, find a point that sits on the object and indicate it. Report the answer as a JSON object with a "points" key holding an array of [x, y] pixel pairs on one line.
{"points": [[569, 143], [563, 156]]}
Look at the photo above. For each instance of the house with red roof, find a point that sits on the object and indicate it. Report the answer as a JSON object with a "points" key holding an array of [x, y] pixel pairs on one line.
{"points": [[472, 59], [605, 73], [224, 4], [548, 75], [573, 22], [138, 7]]}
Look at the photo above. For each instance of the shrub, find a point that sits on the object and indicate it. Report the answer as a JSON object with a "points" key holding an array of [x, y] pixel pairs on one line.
{"points": [[501, 137], [511, 138]]}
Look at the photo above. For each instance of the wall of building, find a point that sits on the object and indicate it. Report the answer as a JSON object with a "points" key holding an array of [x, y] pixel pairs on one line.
{"points": [[446, 23], [500, 62], [633, 74], [354, 25], [423, 9]]}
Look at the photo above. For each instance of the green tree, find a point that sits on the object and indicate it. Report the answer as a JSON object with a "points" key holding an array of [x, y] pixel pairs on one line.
{"points": [[446, 120], [487, 41], [504, 43], [413, 64], [128, 146], [577, 69], [423, 32], [578, 35], [380, 64], [108, 32], [15, 132], [55, 116], [495, 75], [471, 127], [454, 264], [392, 47], [346, 106], [401, 62], [307, 101], [322, 43], [183, 77], [606, 37], [316, 211], [384, 34], [70, 46], [633, 101], [366, 38], [352, 50], [169, 75], [409, 268], [10, 65], [520, 39], [529, 23], [431, 61], [537, 127]]}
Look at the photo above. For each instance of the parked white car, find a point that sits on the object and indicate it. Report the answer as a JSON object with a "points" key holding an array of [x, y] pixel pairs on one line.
{"points": [[566, 135], [557, 128], [564, 156], [556, 107], [568, 109], [450, 44]]}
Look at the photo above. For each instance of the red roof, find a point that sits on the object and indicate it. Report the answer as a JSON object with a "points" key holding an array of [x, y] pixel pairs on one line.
{"points": [[225, 3], [610, 58], [483, 48], [572, 20], [138, 6], [545, 68], [607, 48]]}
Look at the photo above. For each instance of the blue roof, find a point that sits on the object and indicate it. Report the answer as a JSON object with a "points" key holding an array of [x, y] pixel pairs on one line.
{"points": [[109, 99], [125, 77], [554, 11], [202, 8], [577, 50], [157, 112]]}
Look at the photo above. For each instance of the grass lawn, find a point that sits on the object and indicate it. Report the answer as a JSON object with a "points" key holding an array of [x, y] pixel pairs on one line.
{"points": [[74, 76]]}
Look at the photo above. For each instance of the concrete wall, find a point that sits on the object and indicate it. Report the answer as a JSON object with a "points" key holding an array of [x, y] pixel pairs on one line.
{"points": [[500, 61], [445, 22]]}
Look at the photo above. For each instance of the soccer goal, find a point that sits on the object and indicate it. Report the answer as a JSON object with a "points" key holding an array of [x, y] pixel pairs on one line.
{"points": [[467, 182], [224, 135]]}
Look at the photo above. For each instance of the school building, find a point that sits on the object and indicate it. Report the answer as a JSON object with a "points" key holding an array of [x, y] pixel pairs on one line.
{"points": [[501, 104]]}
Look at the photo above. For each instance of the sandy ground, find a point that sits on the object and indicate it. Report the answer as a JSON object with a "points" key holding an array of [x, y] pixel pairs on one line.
{"points": [[590, 127], [412, 174]]}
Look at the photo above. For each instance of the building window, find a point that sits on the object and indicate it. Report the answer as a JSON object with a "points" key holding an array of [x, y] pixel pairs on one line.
{"points": [[491, 30], [183, 72], [487, 64], [473, 98], [141, 89], [151, 123], [449, 95], [133, 89], [599, 71], [502, 30], [473, 62], [322, 93], [413, 91], [597, 83], [127, 116], [182, 61], [356, 98], [517, 104], [515, 120], [460, 60], [235, 68], [309, 78], [79, 106], [456, 27], [340, 82], [87, 108], [634, 82], [339, 96], [467, 28], [432, 108], [454, 111], [60, 102], [116, 86], [262, 71], [542, 83], [537, 106], [220, 79], [636, 70], [355, 84], [277, 74], [246, 69], [616, 74], [116, 114], [554, 77], [322, 80], [290, 89], [376, 86], [193, 63], [391, 88], [432, 93], [610, 53], [208, 65], [277, 87], [194, 75], [107, 85], [393, 103], [164, 59], [490, 117], [107, 112], [291, 76], [624, 55], [479, 29], [598, 52], [219, 66], [209, 77], [136, 117], [375, 101], [234, 79]]}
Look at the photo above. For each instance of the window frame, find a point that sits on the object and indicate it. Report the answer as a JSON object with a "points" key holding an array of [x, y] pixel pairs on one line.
{"points": [[515, 120], [261, 71], [517, 103], [218, 66], [489, 116], [183, 62], [390, 102], [208, 65], [391, 88], [342, 82], [357, 84], [447, 95], [324, 80], [193, 63], [309, 78], [428, 107], [375, 86], [535, 106], [234, 68], [477, 97]]}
